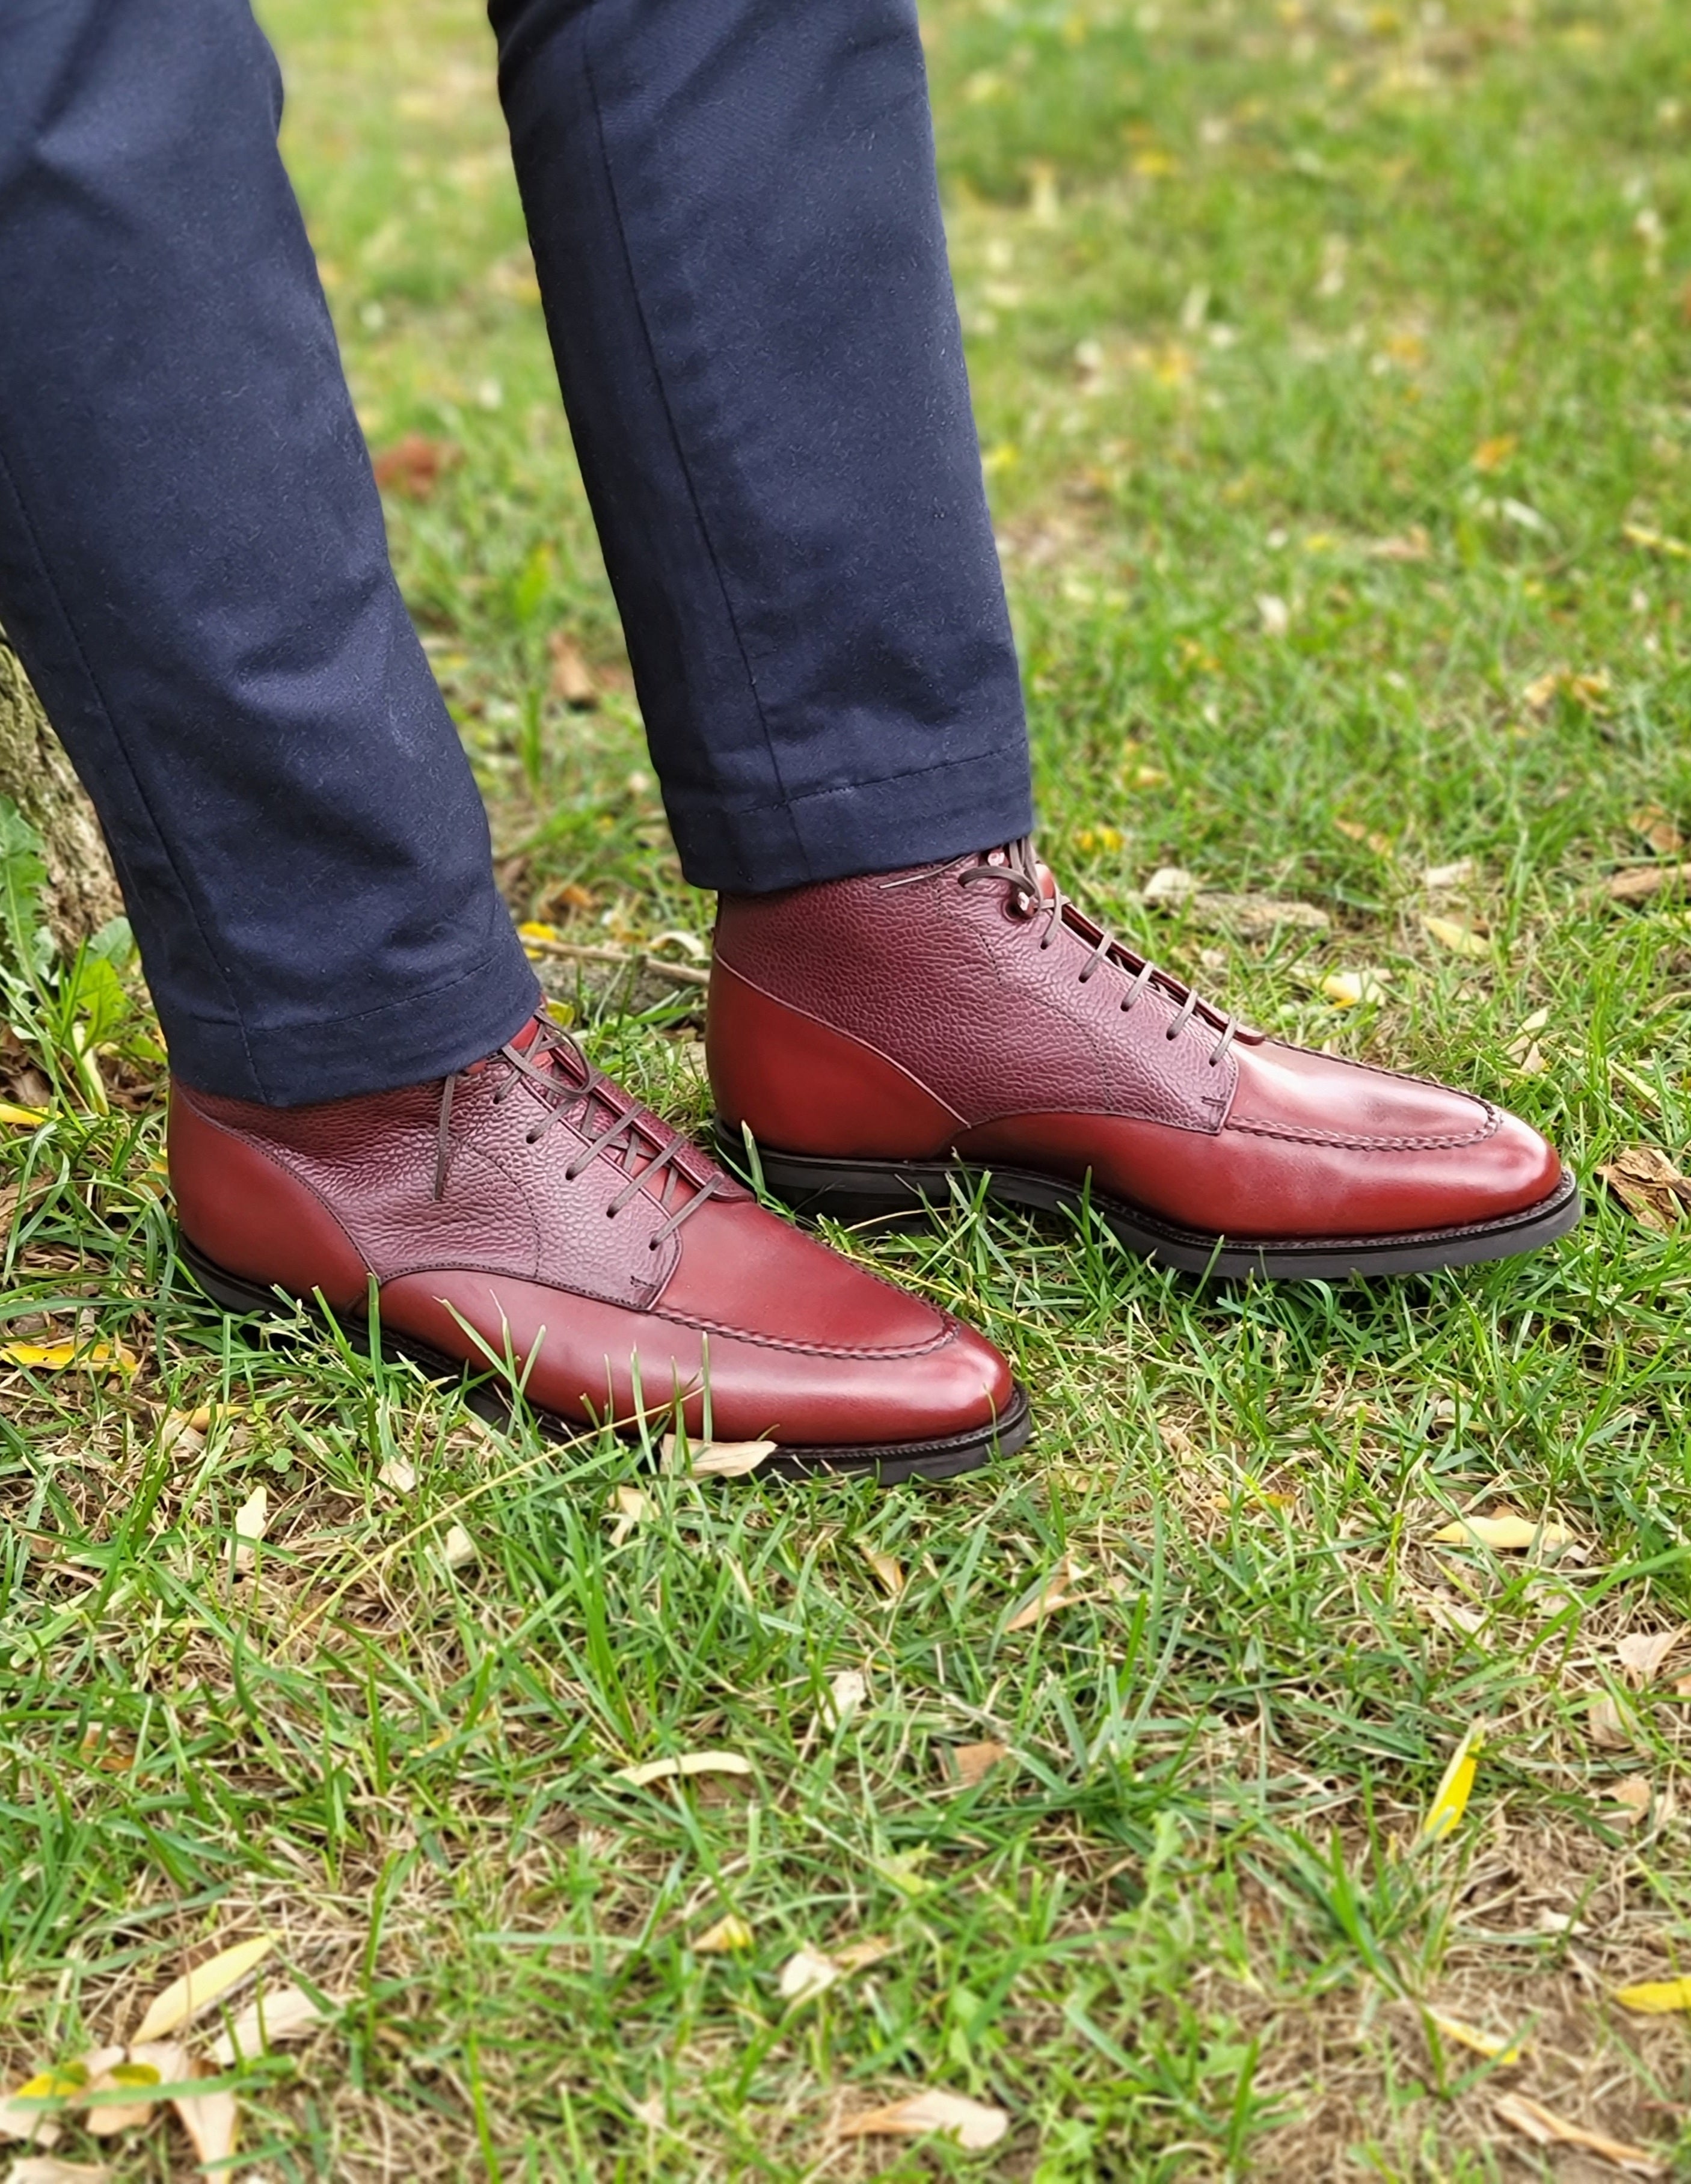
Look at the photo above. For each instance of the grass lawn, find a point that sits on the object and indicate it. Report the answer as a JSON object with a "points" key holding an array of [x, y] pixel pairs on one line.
{"points": [[1334, 371]]}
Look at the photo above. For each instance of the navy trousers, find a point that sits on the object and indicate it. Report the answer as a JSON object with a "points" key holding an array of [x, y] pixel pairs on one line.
{"points": [[737, 233]]}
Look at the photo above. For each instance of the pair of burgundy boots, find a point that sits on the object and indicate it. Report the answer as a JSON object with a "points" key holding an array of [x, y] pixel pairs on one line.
{"points": [[876, 1037]]}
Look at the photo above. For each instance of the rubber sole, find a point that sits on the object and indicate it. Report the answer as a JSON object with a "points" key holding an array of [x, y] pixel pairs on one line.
{"points": [[869, 1191], [890, 1464]]}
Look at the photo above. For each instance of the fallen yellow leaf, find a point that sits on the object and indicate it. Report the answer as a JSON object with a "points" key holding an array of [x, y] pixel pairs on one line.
{"points": [[1492, 454], [1655, 1997], [1347, 989], [59, 1357], [729, 1933], [1546, 2128], [1450, 1799], [1459, 939], [184, 1998], [21, 1118], [683, 1764], [1659, 828], [21, 2115], [1655, 542], [1494, 2050], [971, 2124], [1503, 1530]]}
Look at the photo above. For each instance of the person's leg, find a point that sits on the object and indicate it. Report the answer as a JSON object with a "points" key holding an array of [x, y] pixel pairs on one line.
{"points": [[736, 227], [737, 233], [194, 570], [193, 567]]}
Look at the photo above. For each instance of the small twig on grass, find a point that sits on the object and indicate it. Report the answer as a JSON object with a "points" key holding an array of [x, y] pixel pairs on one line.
{"points": [[684, 974]]}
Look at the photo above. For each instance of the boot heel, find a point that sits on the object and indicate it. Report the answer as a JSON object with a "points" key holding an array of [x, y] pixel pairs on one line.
{"points": [[908, 1191]]}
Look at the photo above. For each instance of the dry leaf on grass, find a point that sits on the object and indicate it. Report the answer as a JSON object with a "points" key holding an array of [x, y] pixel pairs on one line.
{"points": [[121, 2097], [682, 1764], [1649, 1186], [412, 467], [1505, 2052], [1639, 882], [1610, 1727], [1659, 828], [972, 1763], [887, 1575], [1460, 940], [1644, 1653], [1276, 614], [716, 1459], [1053, 1594], [1655, 1997], [1437, 877], [1633, 1795], [44, 2168], [21, 1118], [1544, 2127], [810, 1972], [571, 677], [1379, 844], [1255, 917], [457, 1548], [1450, 1799], [396, 1476], [806, 1974], [847, 1693], [251, 1519], [197, 1989], [728, 1934], [1503, 1530], [632, 1507], [281, 2012], [1171, 884], [211, 2120], [971, 2124]]}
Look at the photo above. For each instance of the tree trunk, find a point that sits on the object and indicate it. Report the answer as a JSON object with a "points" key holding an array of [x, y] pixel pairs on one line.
{"points": [[37, 777]]}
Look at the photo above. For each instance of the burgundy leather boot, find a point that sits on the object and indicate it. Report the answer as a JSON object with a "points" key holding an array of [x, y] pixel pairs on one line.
{"points": [[528, 1212], [875, 1035]]}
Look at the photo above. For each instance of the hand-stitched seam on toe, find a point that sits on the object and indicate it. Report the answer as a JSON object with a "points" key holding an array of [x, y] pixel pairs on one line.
{"points": [[1298, 1134], [937, 1341]]}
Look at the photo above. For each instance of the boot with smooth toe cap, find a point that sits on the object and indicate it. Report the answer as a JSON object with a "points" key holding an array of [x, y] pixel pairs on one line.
{"points": [[530, 1209], [876, 1035]]}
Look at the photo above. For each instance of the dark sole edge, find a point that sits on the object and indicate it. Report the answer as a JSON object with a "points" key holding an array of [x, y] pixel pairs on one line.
{"points": [[870, 1190], [890, 1464]]}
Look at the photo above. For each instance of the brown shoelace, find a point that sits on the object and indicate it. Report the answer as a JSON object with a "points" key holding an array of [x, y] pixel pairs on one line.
{"points": [[628, 1133], [1022, 876]]}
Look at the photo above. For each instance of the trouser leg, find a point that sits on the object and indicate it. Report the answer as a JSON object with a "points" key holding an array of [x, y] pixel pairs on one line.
{"points": [[194, 570], [737, 231]]}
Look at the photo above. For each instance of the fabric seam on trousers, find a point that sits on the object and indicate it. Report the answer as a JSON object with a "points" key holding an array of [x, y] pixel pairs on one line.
{"points": [[143, 801], [676, 443], [785, 802]]}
